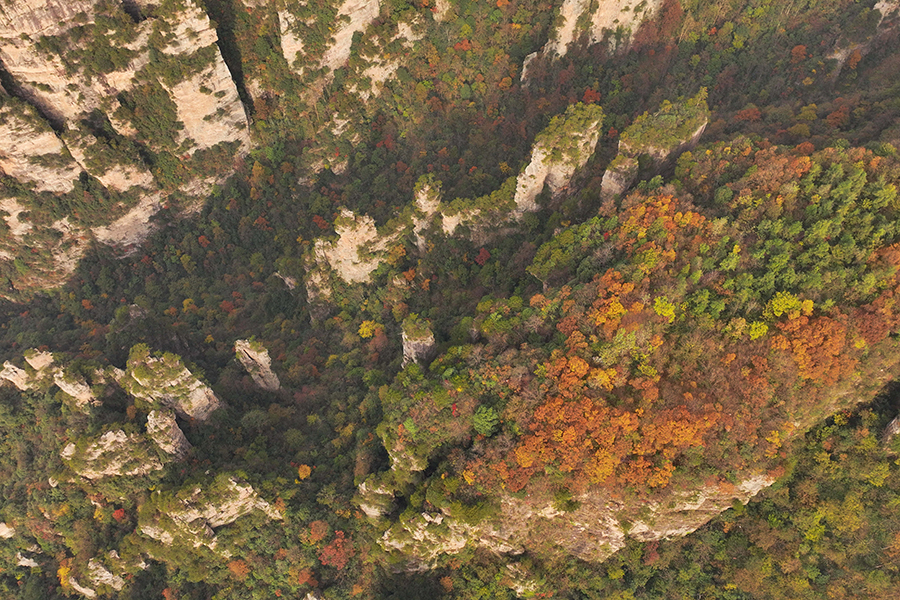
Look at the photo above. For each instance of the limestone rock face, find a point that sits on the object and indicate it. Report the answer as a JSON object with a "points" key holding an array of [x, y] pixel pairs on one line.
{"points": [[100, 575], [376, 500], [360, 14], [40, 373], [6, 531], [54, 82], [74, 386], [16, 376], [162, 429], [418, 340], [425, 537], [559, 151], [255, 359], [661, 137], [208, 118], [26, 561], [592, 532], [114, 453], [887, 436], [428, 204], [38, 360], [166, 381], [355, 253], [619, 176], [81, 589], [189, 517], [353, 16], [616, 19], [75, 110], [31, 151], [291, 44]]}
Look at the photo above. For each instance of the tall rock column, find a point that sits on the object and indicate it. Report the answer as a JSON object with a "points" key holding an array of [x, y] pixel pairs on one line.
{"points": [[255, 359]]}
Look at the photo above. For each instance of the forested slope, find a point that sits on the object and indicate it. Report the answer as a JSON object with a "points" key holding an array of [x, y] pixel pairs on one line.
{"points": [[459, 300]]}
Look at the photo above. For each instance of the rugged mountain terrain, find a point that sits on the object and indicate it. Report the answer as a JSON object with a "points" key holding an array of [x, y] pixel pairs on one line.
{"points": [[449, 299]]}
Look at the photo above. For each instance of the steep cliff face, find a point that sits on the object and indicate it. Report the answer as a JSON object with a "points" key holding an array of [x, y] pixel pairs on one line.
{"points": [[101, 576], [616, 18], [165, 432], [67, 61], [88, 99], [188, 517], [592, 527], [40, 373], [355, 16], [659, 138], [255, 359], [115, 453], [418, 340], [165, 381], [7, 531], [560, 150], [31, 152], [296, 21], [613, 20], [353, 256]]}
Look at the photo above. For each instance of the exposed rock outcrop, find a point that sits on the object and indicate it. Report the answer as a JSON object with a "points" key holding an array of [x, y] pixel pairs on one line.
{"points": [[375, 499], [425, 537], [53, 78], [114, 453], [37, 359], [16, 376], [26, 561], [189, 516], [418, 340], [87, 95], [31, 151], [40, 373], [75, 386], [164, 431], [890, 432], [353, 16], [593, 531], [213, 114], [845, 48], [615, 20], [660, 138], [81, 589], [619, 175], [101, 576], [352, 257], [255, 359], [164, 380], [562, 148], [6, 531]]}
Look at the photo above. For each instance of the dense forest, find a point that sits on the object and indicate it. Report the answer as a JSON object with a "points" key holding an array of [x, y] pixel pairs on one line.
{"points": [[479, 311]]}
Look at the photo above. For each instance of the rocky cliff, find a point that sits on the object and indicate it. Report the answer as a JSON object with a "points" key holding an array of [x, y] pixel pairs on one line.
{"points": [[613, 21], [165, 381], [40, 372], [92, 92], [255, 359], [658, 139], [589, 526], [165, 432], [418, 340], [561, 149], [115, 453], [189, 516]]}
